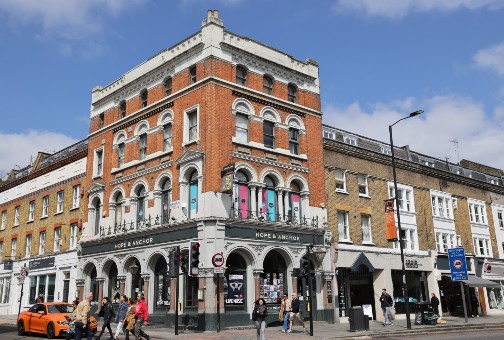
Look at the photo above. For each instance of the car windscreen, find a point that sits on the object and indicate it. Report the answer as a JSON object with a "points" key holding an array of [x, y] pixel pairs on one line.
{"points": [[55, 309]]}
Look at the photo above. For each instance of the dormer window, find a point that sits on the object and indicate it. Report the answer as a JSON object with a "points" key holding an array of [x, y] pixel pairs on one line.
{"points": [[350, 140]]}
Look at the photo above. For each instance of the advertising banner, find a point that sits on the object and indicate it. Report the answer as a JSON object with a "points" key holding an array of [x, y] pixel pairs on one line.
{"points": [[390, 221]]}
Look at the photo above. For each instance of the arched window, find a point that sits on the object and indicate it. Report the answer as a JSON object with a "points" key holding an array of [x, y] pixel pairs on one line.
{"points": [[167, 137], [168, 86], [267, 84], [140, 192], [294, 141], [269, 199], [97, 207], [269, 134], [162, 284], [143, 96], [193, 194], [235, 280], [242, 194], [142, 146], [93, 287], [113, 284], [241, 75], [291, 93], [294, 210], [165, 200], [118, 209]]}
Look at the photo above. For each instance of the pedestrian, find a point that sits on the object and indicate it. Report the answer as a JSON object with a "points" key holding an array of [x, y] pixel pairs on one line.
{"points": [[40, 299], [493, 303], [107, 312], [259, 316], [435, 304], [295, 314], [141, 316], [129, 323], [82, 316], [386, 303], [121, 315], [287, 309], [71, 323], [474, 306]]}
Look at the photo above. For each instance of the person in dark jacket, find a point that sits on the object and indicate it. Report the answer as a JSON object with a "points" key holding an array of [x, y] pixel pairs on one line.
{"points": [[386, 302], [121, 315], [259, 315], [435, 304], [107, 312], [474, 306], [295, 313]]}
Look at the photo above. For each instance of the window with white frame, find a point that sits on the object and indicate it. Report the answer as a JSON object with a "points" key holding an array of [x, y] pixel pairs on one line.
{"points": [[42, 242], [404, 196], [191, 126], [482, 246], [362, 182], [441, 204], [13, 248], [57, 239], [294, 141], [269, 134], [73, 235], [386, 150], [4, 219], [350, 140], [17, 211], [59, 206], [500, 219], [28, 245], [167, 137], [31, 211], [45, 206], [120, 154], [343, 227], [76, 197], [340, 178], [366, 228], [242, 128], [98, 162], [142, 148], [4, 290], [409, 238], [477, 212], [445, 240]]}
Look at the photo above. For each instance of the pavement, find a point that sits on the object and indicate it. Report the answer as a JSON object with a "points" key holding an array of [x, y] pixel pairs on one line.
{"points": [[323, 330]]}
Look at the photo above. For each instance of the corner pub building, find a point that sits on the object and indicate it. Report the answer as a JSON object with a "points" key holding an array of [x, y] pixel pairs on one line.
{"points": [[208, 141]]}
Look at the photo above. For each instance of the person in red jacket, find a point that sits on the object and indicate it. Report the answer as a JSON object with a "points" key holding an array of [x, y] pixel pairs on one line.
{"points": [[141, 316]]}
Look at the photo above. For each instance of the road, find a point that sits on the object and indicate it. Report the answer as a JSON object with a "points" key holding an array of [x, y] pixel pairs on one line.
{"points": [[496, 334]]}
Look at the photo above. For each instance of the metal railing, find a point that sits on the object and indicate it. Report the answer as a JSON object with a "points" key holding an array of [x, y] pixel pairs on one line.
{"points": [[143, 224], [264, 217]]}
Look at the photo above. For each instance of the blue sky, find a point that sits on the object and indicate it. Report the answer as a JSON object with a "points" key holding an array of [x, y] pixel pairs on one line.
{"points": [[379, 60]]}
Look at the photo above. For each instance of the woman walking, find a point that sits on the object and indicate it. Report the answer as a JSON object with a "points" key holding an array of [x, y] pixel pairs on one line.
{"points": [[107, 311], [129, 323], [121, 315], [71, 323], [259, 316]]}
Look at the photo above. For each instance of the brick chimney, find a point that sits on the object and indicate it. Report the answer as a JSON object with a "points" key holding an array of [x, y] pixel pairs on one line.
{"points": [[212, 17]]}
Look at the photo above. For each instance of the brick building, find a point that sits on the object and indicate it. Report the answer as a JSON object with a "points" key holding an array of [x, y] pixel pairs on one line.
{"points": [[41, 209], [443, 205], [207, 141]]}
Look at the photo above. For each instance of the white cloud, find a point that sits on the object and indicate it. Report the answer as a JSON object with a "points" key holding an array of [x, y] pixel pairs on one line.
{"points": [[446, 118], [16, 148], [491, 58], [68, 19], [396, 9]]}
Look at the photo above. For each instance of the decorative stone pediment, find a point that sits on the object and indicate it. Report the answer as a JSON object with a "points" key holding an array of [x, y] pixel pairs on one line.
{"points": [[189, 156], [95, 187]]}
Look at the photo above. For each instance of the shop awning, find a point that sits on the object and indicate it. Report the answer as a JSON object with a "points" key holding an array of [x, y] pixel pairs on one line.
{"points": [[362, 260], [476, 281]]}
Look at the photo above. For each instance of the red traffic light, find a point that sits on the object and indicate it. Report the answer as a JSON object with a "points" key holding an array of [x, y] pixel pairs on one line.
{"points": [[196, 246]]}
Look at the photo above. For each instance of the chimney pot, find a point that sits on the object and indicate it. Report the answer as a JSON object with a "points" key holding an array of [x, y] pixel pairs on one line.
{"points": [[209, 14], [216, 14]]}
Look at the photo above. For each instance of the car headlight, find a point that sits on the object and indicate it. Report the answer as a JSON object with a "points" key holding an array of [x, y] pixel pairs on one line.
{"points": [[64, 323]]}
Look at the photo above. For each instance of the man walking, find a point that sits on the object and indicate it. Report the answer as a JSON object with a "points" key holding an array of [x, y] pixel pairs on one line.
{"points": [[286, 307], [141, 316], [386, 302], [82, 316], [295, 313]]}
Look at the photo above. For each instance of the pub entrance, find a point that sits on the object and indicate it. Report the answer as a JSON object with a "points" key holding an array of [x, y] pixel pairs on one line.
{"points": [[361, 288]]}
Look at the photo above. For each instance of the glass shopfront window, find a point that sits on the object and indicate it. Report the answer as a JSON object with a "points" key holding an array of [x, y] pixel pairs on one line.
{"points": [[235, 283], [162, 285], [42, 286], [114, 290], [416, 286], [273, 278]]}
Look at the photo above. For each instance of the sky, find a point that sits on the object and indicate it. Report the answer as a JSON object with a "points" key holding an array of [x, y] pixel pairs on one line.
{"points": [[379, 61]]}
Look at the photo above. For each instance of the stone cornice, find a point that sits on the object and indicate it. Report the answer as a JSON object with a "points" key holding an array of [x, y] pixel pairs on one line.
{"points": [[340, 147], [270, 162], [143, 116], [265, 102], [141, 173]]}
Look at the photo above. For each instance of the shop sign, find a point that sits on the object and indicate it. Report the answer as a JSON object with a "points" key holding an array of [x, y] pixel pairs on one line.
{"points": [[314, 236], [411, 264], [227, 175], [46, 262], [235, 287], [277, 236], [132, 243]]}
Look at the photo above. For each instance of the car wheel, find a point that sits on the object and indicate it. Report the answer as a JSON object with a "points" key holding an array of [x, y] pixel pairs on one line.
{"points": [[50, 330], [21, 329]]}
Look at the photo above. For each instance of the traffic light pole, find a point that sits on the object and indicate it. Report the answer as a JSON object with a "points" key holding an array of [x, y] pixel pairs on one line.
{"points": [[310, 296], [218, 303], [177, 293]]}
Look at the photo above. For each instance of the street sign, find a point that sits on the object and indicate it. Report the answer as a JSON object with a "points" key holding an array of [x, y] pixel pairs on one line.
{"points": [[458, 265], [23, 273], [218, 260], [218, 270]]}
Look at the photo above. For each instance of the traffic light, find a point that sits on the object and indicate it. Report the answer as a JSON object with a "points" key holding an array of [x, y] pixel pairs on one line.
{"points": [[174, 264], [305, 267], [183, 262], [194, 253]]}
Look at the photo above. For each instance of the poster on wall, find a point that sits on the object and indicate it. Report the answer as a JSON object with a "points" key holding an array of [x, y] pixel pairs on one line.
{"points": [[234, 287]]}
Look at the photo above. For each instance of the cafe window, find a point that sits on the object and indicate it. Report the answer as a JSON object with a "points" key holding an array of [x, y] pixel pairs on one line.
{"points": [[235, 287], [273, 285], [42, 286]]}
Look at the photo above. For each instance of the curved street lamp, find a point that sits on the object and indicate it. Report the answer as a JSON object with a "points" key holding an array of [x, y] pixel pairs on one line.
{"points": [[396, 198]]}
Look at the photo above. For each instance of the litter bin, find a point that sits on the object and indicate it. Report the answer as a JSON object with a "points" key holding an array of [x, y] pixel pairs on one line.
{"points": [[421, 309], [357, 319], [430, 319]]}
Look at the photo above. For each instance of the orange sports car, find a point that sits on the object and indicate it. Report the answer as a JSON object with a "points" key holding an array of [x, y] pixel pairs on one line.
{"points": [[50, 318]]}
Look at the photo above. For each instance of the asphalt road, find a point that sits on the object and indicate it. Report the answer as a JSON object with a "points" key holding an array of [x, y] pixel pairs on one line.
{"points": [[496, 334]]}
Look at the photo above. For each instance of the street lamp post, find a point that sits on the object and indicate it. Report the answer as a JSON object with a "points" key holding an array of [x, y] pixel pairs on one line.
{"points": [[396, 198]]}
